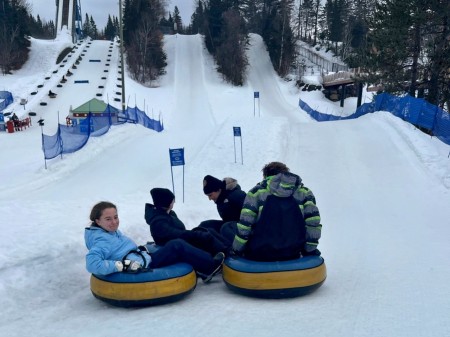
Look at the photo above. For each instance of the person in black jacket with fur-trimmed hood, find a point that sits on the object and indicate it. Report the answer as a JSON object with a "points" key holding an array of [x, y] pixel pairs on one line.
{"points": [[229, 199], [165, 225]]}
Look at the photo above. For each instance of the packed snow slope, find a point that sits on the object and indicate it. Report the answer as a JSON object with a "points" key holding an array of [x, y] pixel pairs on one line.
{"points": [[382, 188]]}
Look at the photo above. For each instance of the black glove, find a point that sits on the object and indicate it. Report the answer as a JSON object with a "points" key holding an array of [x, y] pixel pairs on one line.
{"points": [[143, 249]]}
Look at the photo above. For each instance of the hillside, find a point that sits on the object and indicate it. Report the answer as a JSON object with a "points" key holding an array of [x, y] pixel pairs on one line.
{"points": [[382, 188]]}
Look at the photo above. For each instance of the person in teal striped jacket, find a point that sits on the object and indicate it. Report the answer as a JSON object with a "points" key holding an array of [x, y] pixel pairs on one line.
{"points": [[279, 220]]}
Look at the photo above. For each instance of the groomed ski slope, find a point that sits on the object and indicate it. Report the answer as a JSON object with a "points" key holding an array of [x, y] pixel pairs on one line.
{"points": [[382, 188]]}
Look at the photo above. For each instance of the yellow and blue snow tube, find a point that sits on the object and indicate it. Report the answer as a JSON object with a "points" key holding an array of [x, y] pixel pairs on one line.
{"points": [[281, 279], [156, 286]]}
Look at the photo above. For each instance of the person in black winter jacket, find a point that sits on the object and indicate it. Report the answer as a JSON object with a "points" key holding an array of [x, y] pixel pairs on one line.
{"points": [[229, 199], [166, 226]]}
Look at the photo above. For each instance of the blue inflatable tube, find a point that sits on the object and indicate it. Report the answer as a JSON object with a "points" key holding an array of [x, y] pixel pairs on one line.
{"points": [[280, 279], [157, 286]]}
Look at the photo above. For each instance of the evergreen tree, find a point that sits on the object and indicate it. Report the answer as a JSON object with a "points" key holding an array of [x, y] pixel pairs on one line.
{"points": [[198, 20], [41, 29], [170, 22], [166, 26], [87, 29], [396, 44], [256, 13], [49, 29], [436, 77], [110, 30], [306, 14], [14, 28], [214, 26], [278, 35], [116, 25], [335, 24], [94, 31], [177, 20], [39, 22]]}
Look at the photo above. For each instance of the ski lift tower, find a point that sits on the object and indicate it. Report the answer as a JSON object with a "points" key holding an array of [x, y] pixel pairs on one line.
{"points": [[68, 14]]}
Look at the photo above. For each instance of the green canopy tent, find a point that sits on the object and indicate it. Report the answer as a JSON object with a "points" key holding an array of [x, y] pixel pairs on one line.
{"points": [[97, 108]]}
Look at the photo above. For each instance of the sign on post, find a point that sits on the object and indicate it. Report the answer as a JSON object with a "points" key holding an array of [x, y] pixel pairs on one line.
{"points": [[237, 133], [256, 97], [176, 159]]}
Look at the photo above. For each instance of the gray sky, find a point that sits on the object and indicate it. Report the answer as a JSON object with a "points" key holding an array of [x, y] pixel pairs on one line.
{"points": [[99, 9]]}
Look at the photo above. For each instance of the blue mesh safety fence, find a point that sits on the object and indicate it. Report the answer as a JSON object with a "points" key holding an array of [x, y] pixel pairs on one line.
{"points": [[6, 99], [416, 111], [71, 138], [52, 145]]}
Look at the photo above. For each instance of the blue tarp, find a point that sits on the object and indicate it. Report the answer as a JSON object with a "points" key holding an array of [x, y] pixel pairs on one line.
{"points": [[6, 99], [416, 111]]}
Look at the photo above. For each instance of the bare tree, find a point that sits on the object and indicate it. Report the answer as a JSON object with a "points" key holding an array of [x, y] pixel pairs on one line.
{"points": [[145, 56]]}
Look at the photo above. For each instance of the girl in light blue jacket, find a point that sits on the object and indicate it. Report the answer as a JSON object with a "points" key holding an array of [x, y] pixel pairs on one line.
{"points": [[111, 251]]}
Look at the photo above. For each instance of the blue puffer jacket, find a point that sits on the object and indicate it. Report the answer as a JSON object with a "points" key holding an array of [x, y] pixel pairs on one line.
{"points": [[105, 248]]}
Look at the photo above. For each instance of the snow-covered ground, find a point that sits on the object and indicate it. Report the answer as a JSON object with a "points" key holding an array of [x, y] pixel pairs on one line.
{"points": [[381, 185]]}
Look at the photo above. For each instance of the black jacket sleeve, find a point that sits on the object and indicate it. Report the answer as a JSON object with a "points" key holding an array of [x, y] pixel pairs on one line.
{"points": [[162, 231]]}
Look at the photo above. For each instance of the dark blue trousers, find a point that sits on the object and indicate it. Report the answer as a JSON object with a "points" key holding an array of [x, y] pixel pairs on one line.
{"points": [[227, 230], [178, 250], [212, 224]]}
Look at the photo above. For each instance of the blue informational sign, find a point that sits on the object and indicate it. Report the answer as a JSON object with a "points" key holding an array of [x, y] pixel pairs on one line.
{"points": [[2, 118], [237, 133], [256, 94], [176, 157]]}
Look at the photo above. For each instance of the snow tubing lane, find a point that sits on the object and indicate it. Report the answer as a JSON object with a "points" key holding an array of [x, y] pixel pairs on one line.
{"points": [[158, 286], [281, 279]]}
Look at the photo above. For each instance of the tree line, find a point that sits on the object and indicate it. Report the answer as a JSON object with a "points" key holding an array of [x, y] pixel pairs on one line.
{"points": [[402, 46]]}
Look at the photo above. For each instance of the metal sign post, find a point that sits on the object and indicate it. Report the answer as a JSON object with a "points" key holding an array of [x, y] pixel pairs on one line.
{"points": [[176, 159]]}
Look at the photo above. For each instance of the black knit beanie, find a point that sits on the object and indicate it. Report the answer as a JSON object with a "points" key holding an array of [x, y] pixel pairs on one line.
{"points": [[211, 184], [162, 197]]}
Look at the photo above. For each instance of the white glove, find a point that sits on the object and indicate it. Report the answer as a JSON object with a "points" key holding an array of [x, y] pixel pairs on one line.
{"points": [[131, 265], [128, 265], [119, 266]]}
